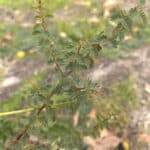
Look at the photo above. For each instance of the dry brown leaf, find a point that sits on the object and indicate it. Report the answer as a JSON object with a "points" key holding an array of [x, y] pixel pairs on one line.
{"points": [[34, 139], [27, 24], [109, 5], [105, 133], [101, 143], [94, 11], [92, 114], [8, 37], [75, 118], [144, 138], [128, 37], [135, 29], [106, 141], [106, 14], [82, 3], [94, 20], [20, 19], [5, 44]]}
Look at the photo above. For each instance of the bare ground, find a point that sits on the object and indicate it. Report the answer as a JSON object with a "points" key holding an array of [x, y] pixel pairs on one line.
{"points": [[137, 66], [15, 73]]}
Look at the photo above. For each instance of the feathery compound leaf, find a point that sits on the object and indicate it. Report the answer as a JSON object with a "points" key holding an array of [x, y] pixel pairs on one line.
{"points": [[138, 13]]}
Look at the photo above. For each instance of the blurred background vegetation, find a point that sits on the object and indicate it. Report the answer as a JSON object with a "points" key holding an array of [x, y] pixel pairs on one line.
{"points": [[71, 20]]}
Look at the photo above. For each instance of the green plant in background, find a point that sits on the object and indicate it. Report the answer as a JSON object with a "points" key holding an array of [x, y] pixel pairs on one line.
{"points": [[70, 92]]}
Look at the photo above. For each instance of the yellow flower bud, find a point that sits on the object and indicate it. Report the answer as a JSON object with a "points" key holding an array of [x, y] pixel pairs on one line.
{"points": [[21, 54], [125, 145]]}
